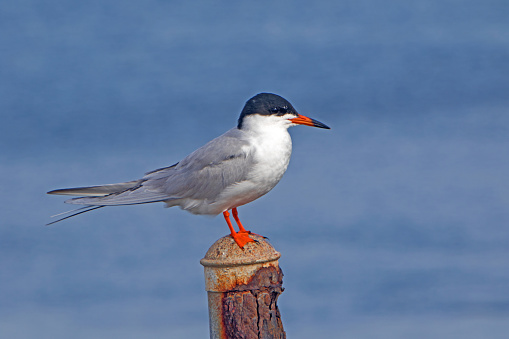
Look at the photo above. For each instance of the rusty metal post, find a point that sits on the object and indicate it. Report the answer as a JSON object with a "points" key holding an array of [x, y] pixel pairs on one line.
{"points": [[243, 286]]}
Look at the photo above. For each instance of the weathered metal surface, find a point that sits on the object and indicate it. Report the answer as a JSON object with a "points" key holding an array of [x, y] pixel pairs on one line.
{"points": [[243, 286], [250, 311], [227, 265]]}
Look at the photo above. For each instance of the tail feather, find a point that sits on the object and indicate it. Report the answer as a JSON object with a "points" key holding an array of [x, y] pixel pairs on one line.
{"points": [[98, 191], [94, 197], [76, 211], [127, 197]]}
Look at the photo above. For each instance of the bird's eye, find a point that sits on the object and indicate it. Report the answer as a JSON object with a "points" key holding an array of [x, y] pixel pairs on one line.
{"points": [[279, 110]]}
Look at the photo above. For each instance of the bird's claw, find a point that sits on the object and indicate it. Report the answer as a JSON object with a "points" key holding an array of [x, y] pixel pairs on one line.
{"points": [[249, 232]]}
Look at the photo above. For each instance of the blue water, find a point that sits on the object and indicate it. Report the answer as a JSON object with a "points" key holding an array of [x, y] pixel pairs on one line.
{"points": [[394, 224]]}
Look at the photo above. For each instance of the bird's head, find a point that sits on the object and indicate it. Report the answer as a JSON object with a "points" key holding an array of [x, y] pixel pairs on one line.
{"points": [[271, 109]]}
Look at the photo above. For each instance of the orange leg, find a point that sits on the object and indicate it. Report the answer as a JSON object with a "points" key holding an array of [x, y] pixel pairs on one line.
{"points": [[237, 220], [242, 237], [241, 228]]}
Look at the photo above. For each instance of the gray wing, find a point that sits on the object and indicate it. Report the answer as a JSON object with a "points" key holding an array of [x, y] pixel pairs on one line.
{"points": [[203, 174]]}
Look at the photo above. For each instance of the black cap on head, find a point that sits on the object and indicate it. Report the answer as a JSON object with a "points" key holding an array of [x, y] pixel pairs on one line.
{"points": [[266, 104]]}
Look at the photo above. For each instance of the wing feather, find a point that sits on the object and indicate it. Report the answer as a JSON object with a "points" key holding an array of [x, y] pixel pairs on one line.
{"points": [[206, 172]]}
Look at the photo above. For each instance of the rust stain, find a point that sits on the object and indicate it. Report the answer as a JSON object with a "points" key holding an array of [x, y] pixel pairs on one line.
{"points": [[250, 310], [229, 279]]}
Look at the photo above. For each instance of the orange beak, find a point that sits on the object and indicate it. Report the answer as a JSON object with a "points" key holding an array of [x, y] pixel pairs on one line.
{"points": [[302, 120]]}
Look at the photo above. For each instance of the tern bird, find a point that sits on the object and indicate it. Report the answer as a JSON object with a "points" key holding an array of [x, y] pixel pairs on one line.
{"points": [[229, 171]]}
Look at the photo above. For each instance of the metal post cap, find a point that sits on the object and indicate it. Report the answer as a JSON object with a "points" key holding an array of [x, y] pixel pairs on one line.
{"points": [[228, 266], [225, 252]]}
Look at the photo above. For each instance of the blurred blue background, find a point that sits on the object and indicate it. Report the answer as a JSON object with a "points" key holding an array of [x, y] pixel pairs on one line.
{"points": [[394, 224]]}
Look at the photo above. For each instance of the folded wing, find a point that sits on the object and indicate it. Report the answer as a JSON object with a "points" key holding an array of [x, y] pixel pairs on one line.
{"points": [[204, 174]]}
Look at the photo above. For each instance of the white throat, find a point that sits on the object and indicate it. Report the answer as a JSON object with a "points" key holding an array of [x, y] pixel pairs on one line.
{"points": [[272, 147]]}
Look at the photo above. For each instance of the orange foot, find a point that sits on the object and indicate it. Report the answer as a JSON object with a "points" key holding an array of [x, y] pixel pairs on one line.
{"points": [[242, 238]]}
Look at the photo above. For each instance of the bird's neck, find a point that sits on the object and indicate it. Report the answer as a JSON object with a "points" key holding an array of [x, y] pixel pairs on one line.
{"points": [[269, 137]]}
